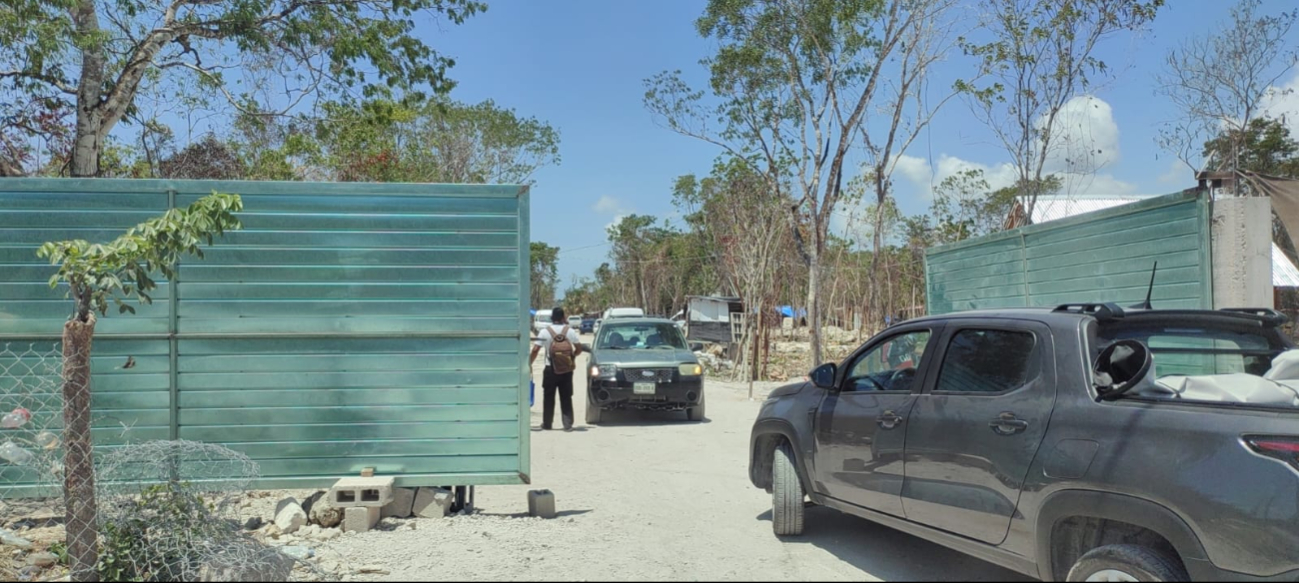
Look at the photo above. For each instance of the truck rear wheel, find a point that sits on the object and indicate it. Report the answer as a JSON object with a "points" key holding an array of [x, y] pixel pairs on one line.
{"points": [[786, 493], [1127, 563]]}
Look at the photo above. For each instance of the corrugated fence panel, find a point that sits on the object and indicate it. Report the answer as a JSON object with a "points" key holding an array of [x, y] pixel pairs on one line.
{"points": [[346, 326], [1103, 256]]}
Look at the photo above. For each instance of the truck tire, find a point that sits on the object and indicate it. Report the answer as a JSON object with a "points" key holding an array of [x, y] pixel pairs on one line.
{"points": [[593, 414], [1127, 563], [697, 412], [786, 493]]}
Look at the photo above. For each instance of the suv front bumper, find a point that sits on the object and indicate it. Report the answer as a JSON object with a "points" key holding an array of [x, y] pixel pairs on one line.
{"points": [[668, 396]]}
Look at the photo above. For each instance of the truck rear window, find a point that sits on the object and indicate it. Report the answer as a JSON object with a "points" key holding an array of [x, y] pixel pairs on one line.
{"points": [[1211, 360]]}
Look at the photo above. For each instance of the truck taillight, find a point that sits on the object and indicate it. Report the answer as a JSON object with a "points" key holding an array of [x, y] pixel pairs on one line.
{"points": [[1285, 449]]}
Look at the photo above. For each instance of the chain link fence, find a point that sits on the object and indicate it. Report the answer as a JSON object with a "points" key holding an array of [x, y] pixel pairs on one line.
{"points": [[153, 511]]}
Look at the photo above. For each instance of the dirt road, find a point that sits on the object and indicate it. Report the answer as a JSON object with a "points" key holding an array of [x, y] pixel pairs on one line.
{"points": [[650, 497]]}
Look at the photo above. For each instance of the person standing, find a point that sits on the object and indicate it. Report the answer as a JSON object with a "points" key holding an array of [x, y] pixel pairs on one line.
{"points": [[562, 346]]}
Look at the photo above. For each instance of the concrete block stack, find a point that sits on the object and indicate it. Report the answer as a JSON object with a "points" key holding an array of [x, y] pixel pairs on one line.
{"points": [[362, 501]]}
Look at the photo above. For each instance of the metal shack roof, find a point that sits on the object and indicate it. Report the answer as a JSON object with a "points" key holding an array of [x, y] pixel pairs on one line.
{"points": [[1051, 208]]}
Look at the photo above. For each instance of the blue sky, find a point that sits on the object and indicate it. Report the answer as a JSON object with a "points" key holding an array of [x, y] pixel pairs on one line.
{"points": [[579, 65]]}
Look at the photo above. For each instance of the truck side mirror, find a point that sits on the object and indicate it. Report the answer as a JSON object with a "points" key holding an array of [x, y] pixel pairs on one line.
{"points": [[696, 346], [823, 376]]}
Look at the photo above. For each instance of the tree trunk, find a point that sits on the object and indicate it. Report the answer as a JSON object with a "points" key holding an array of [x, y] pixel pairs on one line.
{"points": [[85, 146], [79, 467], [813, 304]]}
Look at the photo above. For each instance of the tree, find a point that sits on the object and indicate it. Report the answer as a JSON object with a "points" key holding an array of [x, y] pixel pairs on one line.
{"points": [[435, 141], [1264, 146], [96, 274], [1220, 83], [964, 205], [545, 274], [634, 239], [208, 159], [94, 57], [793, 83], [749, 228], [1042, 54]]}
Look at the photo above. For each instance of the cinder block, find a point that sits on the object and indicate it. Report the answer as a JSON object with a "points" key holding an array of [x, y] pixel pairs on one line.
{"points": [[541, 503], [433, 502], [403, 503], [360, 518], [361, 492]]}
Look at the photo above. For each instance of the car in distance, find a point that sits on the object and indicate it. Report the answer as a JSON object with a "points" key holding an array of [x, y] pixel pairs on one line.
{"points": [[575, 323], [541, 320], [588, 326], [1081, 443], [646, 364]]}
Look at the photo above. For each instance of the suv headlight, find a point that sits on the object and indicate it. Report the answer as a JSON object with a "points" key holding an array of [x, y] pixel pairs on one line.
{"points": [[690, 370], [604, 371]]}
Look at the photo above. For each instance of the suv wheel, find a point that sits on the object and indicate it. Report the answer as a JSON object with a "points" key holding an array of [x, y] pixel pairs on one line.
{"points": [[593, 413], [786, 493], [1127, 563]]}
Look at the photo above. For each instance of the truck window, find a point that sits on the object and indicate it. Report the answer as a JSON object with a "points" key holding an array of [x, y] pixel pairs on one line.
{"points": [[986, 361], [1198, 350], [891, 366]]}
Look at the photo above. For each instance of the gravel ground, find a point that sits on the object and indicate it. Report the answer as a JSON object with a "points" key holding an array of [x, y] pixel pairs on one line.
{"points": [[644, 497]]}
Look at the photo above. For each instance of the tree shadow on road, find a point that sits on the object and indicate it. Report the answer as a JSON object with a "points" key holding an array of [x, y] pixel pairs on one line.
{"points": [[889, 554]]}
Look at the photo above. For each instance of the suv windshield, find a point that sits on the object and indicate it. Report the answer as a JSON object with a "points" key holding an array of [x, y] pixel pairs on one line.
{"points": [[632, 336]]}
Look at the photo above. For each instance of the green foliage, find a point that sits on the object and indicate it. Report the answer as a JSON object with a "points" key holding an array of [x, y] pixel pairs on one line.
{"points": [[545, 274], [53, 50], [96, 273], [1265, 146], [60, 550], [131, 549]]}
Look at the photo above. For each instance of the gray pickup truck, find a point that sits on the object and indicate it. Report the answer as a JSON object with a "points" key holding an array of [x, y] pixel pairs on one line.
{"points": [[1081, 443]]}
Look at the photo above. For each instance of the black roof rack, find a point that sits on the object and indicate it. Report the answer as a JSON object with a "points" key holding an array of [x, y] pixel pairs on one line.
{"points": [[1105, 311], [1272, 316]]}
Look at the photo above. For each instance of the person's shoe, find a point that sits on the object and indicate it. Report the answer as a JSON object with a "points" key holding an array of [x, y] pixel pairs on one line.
{"points": [[568, 429], [546, 428]]}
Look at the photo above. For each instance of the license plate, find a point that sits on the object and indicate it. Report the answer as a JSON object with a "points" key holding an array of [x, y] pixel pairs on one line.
{"points": [[644, 388]]}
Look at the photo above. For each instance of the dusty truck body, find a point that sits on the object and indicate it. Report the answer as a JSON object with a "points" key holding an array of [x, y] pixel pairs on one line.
{"points": [[347, 326], [1040, 440]]}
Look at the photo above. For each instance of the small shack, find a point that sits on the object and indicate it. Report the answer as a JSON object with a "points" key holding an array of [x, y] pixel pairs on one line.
{"points": [[708, 318]]}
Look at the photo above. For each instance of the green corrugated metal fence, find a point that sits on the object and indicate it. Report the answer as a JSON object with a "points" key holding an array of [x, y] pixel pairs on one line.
{"points": [[1103, 256], [346, 326]]}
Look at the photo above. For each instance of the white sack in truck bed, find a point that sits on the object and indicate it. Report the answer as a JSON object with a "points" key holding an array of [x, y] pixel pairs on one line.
{"points": [[1279, 387]]}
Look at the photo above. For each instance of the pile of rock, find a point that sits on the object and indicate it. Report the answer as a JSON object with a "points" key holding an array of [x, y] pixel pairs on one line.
{"points": [[353, 505]]}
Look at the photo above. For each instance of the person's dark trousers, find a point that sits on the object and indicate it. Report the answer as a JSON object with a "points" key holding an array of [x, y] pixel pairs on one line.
{"points": [[564, 384]]}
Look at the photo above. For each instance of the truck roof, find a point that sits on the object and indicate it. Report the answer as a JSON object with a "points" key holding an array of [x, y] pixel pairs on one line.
{"points": [[1070, 313]]}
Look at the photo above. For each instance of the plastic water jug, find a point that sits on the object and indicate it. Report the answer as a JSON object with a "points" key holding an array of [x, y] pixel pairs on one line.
{"points": [[15, 455], [15, 419]]}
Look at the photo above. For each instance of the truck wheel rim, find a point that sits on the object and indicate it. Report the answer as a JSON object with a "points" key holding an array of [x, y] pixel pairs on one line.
{"points": [[1112, 575]]}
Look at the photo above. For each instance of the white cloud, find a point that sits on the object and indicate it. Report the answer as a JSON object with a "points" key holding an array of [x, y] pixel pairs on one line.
{"points": [[608, 205], [1283, 102], [1177, 173], [616, 219], [915, 169], [1085, 138]]}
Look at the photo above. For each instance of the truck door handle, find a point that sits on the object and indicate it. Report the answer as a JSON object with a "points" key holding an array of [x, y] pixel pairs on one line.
{"points": [[889, 420], [1008, 424]]}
